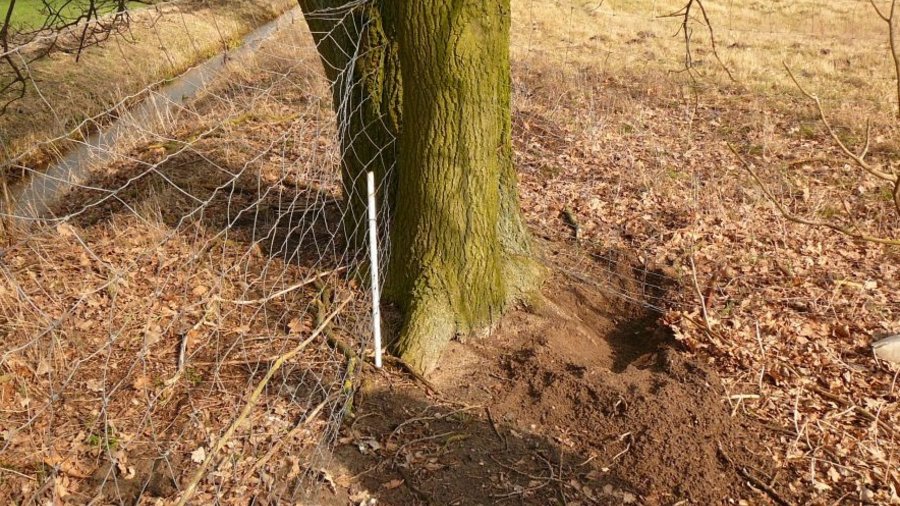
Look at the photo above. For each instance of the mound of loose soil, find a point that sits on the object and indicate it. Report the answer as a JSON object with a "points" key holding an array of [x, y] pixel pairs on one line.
{"points": [[577, 399]]}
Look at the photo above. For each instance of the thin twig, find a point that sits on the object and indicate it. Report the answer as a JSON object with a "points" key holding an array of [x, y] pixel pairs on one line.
{"points": [[533, 477], [426, 418], [858, 158], [685, 14], [699, 292], [897, 195], [561, 487], [423, 439], [287, 290], [756, 482], [863, 412], [182, 350], [494, 427], [854, 234], [253, 400], [17, 473], [301, 423], [712, 41], [892, 39]]}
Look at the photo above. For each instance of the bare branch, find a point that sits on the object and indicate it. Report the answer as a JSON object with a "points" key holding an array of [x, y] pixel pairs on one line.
{"points": [[252, 400], [853, 233], [685, 14], [69, 26], [878, 10], [892, 37], [16, 87], [897, 195], [712, 41], [858, 158]]}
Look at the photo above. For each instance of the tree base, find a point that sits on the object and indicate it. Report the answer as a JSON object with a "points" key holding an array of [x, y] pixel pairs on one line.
{"points": [[429, 327], [432, 322]]}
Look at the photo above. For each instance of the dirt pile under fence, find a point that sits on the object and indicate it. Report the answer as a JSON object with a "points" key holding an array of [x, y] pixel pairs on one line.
{"points": [[576, 399]]}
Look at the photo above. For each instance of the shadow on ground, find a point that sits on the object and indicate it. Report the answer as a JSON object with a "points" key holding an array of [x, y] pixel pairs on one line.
{"points": [[559, 406], [576, 398]]}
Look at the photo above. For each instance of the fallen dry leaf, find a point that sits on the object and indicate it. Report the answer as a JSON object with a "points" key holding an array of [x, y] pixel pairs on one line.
{"points": [[198, 455], [392, 484]]}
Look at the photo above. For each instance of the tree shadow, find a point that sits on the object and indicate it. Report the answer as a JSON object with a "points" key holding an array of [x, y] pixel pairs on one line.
{"points": [[289, 218], [407, 449], [279, 228]]}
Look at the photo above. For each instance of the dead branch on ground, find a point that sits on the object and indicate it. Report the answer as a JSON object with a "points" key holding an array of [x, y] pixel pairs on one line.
{"points": [[879, 172], [892, 38], [756, 482], [850, 231], [252, 401]]}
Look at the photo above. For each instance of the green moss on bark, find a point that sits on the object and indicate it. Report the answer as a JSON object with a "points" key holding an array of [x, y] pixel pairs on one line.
{"points": [[361, 63], [460, 253]]}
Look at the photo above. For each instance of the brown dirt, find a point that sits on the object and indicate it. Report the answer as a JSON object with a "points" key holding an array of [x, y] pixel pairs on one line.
{"points": [[129, 484], [793, 311], [576, 399]]}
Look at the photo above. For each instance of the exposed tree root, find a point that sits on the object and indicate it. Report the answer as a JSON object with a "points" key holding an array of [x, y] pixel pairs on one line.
{"points": [[429, 327], [432, 321]]}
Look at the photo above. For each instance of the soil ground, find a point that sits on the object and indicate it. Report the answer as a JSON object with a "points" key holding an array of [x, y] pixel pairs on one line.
{"points": [[762, 372], [576, 399]]}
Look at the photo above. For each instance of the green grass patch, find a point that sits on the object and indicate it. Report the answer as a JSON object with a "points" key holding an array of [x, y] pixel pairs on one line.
{"points": [[30, 14], [26, 13]]}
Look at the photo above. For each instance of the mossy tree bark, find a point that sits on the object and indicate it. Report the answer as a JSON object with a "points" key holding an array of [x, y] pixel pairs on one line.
{"points": [[361, 63], [460, 252]]}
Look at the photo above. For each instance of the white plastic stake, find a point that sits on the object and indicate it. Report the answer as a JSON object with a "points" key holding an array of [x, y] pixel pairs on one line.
{"points": [[373, 257]]}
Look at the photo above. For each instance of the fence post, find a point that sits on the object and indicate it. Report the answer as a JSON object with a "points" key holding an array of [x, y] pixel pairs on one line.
{"points": [[373, 258]]}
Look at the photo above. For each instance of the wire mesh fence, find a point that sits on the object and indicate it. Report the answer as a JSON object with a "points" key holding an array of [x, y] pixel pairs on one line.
{"points": [[205, 227], [178, 298]]}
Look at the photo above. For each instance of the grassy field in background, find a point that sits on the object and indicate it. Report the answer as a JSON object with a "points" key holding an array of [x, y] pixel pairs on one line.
{"points": [[29, 14], [26, 14], [157, 48], [838, 48]]}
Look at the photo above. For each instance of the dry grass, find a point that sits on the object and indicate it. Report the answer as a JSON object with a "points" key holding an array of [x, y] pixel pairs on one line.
{"points": [[638, 154], [162, 42], [838, 47], [603, 129]]}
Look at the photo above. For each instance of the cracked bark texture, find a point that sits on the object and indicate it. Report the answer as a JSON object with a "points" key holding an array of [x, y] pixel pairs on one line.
{"points": [[460, 253], [360, 62]]}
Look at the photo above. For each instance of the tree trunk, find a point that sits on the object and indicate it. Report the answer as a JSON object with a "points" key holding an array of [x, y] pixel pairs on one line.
{"points": [[460, 252], [457, 240], [360, 61]]}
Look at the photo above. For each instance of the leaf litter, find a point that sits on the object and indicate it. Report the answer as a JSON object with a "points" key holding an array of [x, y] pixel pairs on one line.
{"points": [[783, 314]]}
